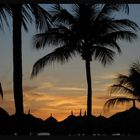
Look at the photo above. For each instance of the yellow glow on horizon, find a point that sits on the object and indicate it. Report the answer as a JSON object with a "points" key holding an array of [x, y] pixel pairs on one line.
{"points": [[42, 104]]}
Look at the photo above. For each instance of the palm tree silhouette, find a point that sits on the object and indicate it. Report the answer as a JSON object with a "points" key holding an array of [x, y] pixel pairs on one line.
{"points": [[126, 84], [91, 31], [22, 14]]}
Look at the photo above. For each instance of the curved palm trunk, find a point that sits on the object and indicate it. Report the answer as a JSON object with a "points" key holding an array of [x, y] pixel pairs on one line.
{"points": [[17, 59], [89, 89]]}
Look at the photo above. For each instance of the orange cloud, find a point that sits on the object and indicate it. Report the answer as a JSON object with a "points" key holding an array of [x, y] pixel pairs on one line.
{"points": [[59, 101]]}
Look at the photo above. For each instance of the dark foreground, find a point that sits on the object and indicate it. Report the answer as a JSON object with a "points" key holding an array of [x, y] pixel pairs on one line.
{"points": [[122, 123]]}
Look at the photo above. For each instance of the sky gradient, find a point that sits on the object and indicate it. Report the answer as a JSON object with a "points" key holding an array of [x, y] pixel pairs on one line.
{"points": [[62, 88]]}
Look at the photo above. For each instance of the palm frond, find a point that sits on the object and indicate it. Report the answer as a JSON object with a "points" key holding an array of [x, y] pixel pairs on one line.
{"points": [[54, 36], [123, 7], [127, 81], [39, 40], [128, 84], [95, 8], [125, 24], [115, 45], [115, 101], [103, 54], [135, 75], [42, 17], [109, 9], [120, 89], [108, 43], [4, 10], [123, 79], [122, 35], [109, 40], [61, 55], [51, 37], [135, 68], [61, 15], [26, 16]]}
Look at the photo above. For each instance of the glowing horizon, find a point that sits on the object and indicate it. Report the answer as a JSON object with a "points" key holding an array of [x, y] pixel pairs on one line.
{"points": [[60, 106]]}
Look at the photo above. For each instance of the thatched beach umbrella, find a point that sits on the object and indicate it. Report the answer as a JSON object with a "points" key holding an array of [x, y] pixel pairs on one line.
{"points": [[102, 124], [26, 124], [126, 122], [68, 125], [50, 125]]}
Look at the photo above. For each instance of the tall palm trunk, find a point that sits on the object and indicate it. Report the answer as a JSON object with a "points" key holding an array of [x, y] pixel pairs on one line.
{"points": [[17, 59], [89, 89], [89, 97]]}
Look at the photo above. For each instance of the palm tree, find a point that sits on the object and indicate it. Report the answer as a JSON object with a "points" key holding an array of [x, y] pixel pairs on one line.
{"points": [[90, 31], [22, 15], [126, 84]]}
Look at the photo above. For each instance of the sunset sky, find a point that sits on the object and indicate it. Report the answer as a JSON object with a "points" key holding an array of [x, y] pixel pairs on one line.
{"points": [[62, 88]]}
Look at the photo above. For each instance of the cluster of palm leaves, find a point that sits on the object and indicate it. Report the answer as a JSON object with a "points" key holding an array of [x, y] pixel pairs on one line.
{"points": [[126, 84], [89, 31]]}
